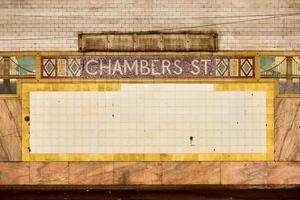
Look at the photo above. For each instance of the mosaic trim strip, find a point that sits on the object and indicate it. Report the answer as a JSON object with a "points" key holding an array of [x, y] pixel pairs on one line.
{"points": [[148, 66]]}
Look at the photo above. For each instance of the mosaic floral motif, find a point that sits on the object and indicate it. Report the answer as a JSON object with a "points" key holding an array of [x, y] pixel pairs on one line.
{"points": [[286, 69], [148, 66]]}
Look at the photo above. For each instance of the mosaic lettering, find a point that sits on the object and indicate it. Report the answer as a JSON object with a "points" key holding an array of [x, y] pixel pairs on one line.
{"points": [[148, 66]]}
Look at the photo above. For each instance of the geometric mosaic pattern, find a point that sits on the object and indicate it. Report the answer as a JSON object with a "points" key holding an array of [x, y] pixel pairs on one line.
{"points": [[148, 66]]}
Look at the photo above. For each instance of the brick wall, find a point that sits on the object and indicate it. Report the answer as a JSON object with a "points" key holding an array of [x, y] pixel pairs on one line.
{"points": [[54, 24]]}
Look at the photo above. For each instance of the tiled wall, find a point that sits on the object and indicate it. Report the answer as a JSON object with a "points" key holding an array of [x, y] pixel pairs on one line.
{"points": [[240, 24], [149, 118], [283, 171], [219, 107]]}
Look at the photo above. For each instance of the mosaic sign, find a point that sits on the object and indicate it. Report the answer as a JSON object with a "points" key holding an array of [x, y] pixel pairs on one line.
{"points": [[148, 66]]}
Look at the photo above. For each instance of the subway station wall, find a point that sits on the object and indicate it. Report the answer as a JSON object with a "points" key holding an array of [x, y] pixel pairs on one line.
{"points": [[34, 25], [25, 158], [281, 172], [287, 135]]}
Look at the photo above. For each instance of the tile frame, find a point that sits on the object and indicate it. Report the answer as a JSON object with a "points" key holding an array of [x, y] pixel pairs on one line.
{"points": [[26, 86]]}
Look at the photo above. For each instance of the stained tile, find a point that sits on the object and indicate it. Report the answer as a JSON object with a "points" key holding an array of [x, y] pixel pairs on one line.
{"points": [[287, 131], [191, 173], [49, 173], [10, 147], [137, 173], [243, 172], [283, 173], [93, 173], [10, 130], [14, 173], [10, 116]]}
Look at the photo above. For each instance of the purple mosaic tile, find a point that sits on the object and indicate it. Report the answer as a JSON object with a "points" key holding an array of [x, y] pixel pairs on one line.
{"points": [[148, 66]]}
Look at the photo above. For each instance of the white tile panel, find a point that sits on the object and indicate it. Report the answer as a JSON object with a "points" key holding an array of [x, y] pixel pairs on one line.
{"points": [[149, 118]]}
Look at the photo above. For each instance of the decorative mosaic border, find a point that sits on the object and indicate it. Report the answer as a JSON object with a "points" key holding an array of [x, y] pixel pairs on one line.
{"points": [[147, 66]]}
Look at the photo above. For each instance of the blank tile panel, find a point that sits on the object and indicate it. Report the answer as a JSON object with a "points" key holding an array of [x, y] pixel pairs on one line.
{"points": [[149, 118]]}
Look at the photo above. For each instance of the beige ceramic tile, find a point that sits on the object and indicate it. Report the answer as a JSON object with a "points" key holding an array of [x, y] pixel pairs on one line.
{"points": [[149, 118]]}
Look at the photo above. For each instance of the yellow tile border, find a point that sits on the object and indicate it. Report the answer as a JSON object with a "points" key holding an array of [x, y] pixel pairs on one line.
{"points": [[257, 67], [151, 157], [38, 64], [8, 96], [31, 85]]}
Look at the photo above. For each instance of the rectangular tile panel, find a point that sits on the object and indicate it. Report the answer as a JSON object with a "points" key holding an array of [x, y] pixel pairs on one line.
{"points": [[149, 119], [148, 66]]}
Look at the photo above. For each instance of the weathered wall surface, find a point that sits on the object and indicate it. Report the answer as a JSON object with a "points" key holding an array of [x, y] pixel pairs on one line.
{"points": [[287, 121], [54, 25], [10, 130], [241, 24], [283, 171], [150, 173]]}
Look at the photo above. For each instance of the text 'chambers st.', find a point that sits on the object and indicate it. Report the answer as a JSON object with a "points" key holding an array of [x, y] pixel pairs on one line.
{"points": [[143, 66]]}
